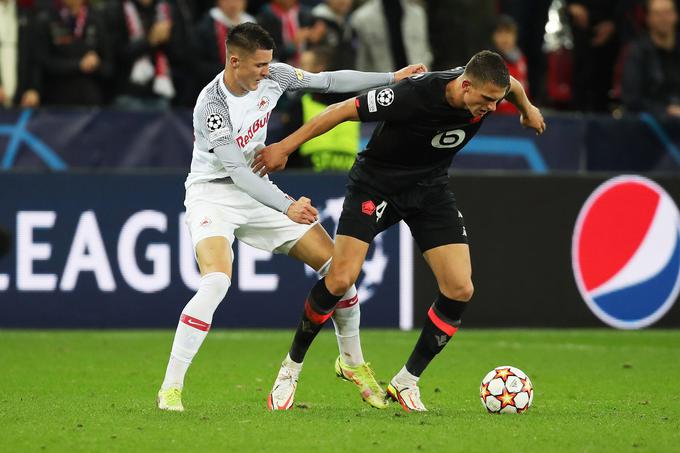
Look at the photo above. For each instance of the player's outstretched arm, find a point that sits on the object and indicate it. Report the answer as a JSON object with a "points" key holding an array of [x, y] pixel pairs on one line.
{"points": [[274, 157], [347, 81], [530, 115]]}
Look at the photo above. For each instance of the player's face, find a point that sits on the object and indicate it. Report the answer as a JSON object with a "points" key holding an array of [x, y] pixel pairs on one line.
{"points": [[252, 68], [481, 98]]}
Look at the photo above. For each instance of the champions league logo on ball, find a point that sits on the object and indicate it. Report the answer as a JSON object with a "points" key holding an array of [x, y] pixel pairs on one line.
{"points": [[375, 264], [626, 252]]}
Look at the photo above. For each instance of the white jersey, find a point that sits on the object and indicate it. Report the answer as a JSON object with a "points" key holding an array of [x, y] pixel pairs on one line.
{"points": [[221, 118]]}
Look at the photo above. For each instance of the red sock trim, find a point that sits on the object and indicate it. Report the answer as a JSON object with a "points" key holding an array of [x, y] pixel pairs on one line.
{"points": [[316, 318], [448, 329], [347, 302], [195, 323]]}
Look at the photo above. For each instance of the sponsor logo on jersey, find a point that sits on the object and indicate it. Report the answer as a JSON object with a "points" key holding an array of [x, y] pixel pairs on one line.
{"points": [[448, 139], [368, 207], [626, 252], [370, 99], [420, 75], [260, 123], [205, 222], [263, 103], [385, 97], [214, 121], [299, 74]]}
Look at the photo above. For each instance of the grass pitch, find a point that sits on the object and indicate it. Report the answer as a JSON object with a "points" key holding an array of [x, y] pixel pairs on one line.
{"points": [[596, 390]]}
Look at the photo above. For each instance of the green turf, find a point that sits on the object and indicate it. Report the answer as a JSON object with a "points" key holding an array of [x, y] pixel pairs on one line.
{"points": [[596, 390]]}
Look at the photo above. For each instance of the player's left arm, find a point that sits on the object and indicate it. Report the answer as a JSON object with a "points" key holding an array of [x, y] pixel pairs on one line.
{"points": [[275, 156], [530, 115], [345, 81]]}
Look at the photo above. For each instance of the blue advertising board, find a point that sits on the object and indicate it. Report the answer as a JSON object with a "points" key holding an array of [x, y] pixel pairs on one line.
{"points": [[111, 250]]}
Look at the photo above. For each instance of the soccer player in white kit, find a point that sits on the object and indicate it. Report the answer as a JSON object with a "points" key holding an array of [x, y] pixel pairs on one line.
{"points": [[225, 200]]}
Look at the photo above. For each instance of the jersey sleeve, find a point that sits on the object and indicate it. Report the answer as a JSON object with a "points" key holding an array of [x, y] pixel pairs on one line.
{"points": [[288, 77], [397, 102], [214, 125]]}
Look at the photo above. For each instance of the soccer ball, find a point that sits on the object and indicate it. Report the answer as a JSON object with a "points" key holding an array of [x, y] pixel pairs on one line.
{"points": [[506, 390]]}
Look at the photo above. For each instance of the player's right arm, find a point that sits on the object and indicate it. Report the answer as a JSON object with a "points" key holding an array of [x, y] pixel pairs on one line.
{"points": [[394, 103], [274, 157]]}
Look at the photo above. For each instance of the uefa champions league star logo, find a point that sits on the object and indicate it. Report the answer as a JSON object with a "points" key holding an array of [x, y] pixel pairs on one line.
{"points": [[214, 121], [375, 264], [385, 97]]}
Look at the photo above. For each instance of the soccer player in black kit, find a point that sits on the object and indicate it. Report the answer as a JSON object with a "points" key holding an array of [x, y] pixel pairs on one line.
{"points": [[403, 175]]}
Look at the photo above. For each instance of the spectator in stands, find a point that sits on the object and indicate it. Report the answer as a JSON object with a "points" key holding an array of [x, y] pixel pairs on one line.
{"points": [[292, 27], [19, 75], [459, 29], [336, 149], [391, 34], [595, 52], [74, 54], [339, 35], [146, 47], [531, 17], [211, 35], [651, 80], [505, 42]]}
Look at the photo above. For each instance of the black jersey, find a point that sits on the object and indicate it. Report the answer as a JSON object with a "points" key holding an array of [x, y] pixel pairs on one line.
{"points": [[419, 134]]}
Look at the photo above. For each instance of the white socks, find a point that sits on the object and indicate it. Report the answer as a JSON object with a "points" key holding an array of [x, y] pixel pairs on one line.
{"points": [[346, 318], [194, 325], [405, 378]]}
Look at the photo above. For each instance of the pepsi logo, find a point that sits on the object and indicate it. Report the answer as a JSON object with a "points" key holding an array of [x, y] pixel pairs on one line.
{"points": [[626, 252]]}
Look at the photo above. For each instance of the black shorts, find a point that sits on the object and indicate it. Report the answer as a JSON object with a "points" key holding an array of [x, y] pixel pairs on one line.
{"points": [[430, 213]]}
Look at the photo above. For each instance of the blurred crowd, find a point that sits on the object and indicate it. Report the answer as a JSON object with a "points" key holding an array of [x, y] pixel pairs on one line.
{"points": [[585, 55]]}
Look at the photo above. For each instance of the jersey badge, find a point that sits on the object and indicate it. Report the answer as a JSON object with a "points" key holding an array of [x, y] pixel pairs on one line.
{"points": [[385, 97], [214, 121], [263, 103], [299, 74]]}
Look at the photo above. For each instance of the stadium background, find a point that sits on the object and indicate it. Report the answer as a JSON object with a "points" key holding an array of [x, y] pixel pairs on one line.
{"points": [[91, 197]]}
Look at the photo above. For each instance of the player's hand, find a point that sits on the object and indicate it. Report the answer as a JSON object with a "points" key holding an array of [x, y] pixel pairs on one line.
{"points": [[409, 71], [269, 159], [534, 120], [302, 211]]}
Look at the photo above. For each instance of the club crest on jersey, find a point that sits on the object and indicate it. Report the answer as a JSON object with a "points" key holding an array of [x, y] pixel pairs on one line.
{"points": [[385, 97], [263, 103], [214, 121]]}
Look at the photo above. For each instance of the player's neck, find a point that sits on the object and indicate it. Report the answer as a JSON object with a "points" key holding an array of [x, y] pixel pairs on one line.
{"points": [[232, 85], [454, 93]]}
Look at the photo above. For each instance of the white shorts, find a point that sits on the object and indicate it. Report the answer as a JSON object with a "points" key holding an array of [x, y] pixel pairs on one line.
{"points": [[221, 209]]}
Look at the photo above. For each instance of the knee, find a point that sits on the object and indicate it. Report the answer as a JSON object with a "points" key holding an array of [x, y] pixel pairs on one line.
{"points": [[216, 284], [461, 291], [339, 281]]}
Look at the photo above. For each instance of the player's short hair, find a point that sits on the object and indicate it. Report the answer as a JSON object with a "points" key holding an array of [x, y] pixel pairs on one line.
{"points": [[249, 37], [487, 66]]}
